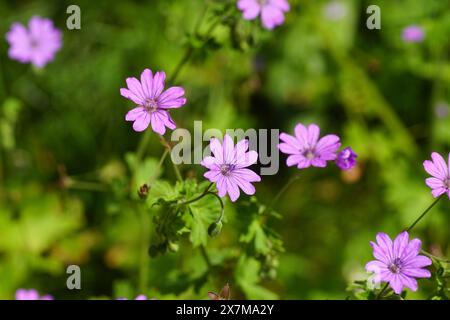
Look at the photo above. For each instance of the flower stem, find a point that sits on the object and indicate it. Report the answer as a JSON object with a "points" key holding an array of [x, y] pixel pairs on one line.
{"points": [[283, 190], [380, 294], [423, 214], [143, 259], [205, 192], [205, 257]]}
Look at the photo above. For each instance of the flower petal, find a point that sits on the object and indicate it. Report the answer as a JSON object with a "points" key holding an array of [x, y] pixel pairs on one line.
{"points": [[216, 149], [416, 272], [135, 113], [247, 175], [158, 84], [232, 189], [313, 134], [135, 87], [396, 283], [228, 149], [400, 244], [271, 16], [172, 98], [385, 244], [141, 123]]}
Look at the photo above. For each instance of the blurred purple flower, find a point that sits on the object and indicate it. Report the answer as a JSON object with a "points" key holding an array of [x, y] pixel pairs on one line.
{"points": [[31, 294], [306, 149], [227, 168], [38, 44], [271, 11], [335, 10], [153, 103], [346, 159], [413, 33], [139, 297], [398, 262], [440, 172], [441, 110]]}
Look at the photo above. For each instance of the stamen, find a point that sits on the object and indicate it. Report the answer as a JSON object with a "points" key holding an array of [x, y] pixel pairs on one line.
{"points": [[225, 169], [395, 266]]}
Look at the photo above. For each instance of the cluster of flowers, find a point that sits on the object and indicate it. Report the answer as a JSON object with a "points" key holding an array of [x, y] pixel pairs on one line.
{"points": [[228, 167]]}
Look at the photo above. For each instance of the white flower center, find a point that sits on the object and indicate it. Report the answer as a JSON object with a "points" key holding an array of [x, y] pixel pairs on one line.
{"points": [[150, 105]]}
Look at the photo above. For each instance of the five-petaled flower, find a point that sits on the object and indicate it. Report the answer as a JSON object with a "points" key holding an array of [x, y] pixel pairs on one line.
{"points": [[398, 262], [38, 44], [31, 294], [306, 149], [440, 172], [153, 103], [271, 11], [228, 167]]}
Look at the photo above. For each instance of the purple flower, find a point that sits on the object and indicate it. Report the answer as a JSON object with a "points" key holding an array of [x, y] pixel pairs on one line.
{"points": [[38, 44], [31, 294], [227, 168], [153, 103], [413, 33], [139, 297], [440, 171], [271, 11], [398, 263], [346, 159], [306, 149]]}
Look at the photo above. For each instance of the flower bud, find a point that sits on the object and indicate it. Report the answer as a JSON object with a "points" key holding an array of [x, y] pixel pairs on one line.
{"points": [[214, 229], [143, 191]]}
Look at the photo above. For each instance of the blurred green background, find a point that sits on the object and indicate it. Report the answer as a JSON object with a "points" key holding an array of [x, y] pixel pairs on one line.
{"points": [[65, 189]]}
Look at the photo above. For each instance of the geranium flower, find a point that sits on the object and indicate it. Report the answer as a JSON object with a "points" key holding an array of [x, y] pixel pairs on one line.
{"points": [[306, 149], [31, 294], [440, 171], [153, 102], [398, 262], [38, 44], [413, 33], [271, 11], [228, 167], [346, 159]]}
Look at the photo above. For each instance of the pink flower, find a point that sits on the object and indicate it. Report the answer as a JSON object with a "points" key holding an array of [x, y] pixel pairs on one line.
{"points": [[346, 159], [38, 44], [227, 168], [31, 294], [271, 11], [306, 149], [139, 297], [398, 262], [413, 33], [153, 103], [440, 171]]}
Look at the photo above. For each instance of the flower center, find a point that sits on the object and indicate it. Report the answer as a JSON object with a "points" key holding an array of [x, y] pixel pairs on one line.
{"points": [[261, 2], [34, 43], [309, 154], [448, 183], [395, 266], [225, 169], [150, 105]]}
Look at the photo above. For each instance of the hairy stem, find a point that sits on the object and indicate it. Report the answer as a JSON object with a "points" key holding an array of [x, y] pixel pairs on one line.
{"points": [[423, 214], [143, 259]]}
